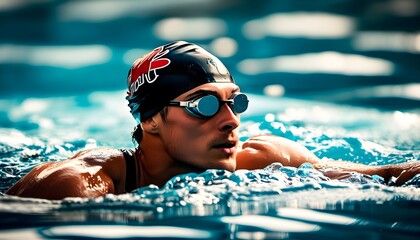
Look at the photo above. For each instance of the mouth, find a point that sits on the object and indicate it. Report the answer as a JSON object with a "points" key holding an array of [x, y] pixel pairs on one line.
{"points": [[225, 145], [226, 148]]}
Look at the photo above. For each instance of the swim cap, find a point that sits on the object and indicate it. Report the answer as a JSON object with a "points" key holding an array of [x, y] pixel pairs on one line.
{"points": [[167, 72]]}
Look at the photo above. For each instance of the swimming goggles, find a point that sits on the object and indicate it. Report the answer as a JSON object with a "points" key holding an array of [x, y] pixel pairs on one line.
{"points": [[207, 106]]}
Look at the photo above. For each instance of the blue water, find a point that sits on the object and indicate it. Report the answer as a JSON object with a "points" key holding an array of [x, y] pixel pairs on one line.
{"points": [[275, 202], [345, 77]]}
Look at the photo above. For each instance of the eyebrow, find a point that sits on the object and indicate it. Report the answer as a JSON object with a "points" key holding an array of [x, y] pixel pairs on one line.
{"points": [[202, 92]]}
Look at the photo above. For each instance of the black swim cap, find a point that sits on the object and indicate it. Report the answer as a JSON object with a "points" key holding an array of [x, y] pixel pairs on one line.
{"points": [[167, 72]]}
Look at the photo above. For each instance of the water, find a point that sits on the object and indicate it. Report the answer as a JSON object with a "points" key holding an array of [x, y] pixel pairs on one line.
{"points": [[347, 88], [275, 202]]}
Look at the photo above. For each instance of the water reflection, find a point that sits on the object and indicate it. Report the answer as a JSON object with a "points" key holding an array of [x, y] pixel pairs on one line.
{"points": [[172, 29], [300, 24], [323, 62]]}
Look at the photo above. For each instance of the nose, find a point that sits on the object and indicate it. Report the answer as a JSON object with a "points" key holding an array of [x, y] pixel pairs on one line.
{"points": [[227, 120]]}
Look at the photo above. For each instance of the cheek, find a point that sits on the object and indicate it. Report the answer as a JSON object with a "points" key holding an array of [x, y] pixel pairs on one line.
{"points": [[183, 137]]}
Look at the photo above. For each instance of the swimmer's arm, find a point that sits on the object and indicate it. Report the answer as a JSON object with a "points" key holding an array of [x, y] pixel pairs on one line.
{"points": [[401, 172], [89, 173], [261, 151], [56, 181]]}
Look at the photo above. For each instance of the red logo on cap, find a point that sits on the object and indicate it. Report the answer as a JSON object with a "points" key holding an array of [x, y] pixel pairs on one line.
{"points": [[144, 69]]}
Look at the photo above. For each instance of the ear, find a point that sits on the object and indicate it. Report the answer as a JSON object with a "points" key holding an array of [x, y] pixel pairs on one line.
{"points": [[150, 125]]}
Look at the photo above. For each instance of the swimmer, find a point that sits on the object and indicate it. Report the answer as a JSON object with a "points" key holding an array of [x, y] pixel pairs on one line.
{"points": [[187, 107]]}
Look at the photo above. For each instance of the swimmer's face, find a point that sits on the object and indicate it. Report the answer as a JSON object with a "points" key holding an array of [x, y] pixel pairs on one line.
{"points": [[203, 143]]}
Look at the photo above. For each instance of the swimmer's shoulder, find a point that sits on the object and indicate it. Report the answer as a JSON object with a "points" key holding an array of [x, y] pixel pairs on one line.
{"points": [[103, 168], [263, 150], [99, 154], [111, 160]]}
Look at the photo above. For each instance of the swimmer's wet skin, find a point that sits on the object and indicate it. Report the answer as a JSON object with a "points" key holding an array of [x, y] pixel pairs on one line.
{"points": [[187, 107]]}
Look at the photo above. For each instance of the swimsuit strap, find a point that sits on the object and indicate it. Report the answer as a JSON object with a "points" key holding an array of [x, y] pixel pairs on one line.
{"points": [[131, 170]]}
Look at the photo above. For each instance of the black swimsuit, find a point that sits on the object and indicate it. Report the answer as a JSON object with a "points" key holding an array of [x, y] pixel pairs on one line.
{"points": [[131, 173]]}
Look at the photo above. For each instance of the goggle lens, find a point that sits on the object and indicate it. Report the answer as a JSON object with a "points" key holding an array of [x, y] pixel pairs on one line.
{"points": [[207, 105], [240, 103]]}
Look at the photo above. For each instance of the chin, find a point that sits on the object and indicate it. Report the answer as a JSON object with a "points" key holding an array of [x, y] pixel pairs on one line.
{"points": [[227, 164]]}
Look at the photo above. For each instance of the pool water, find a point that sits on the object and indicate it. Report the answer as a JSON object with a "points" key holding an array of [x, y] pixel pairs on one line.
{"points": [[278, 202]]}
